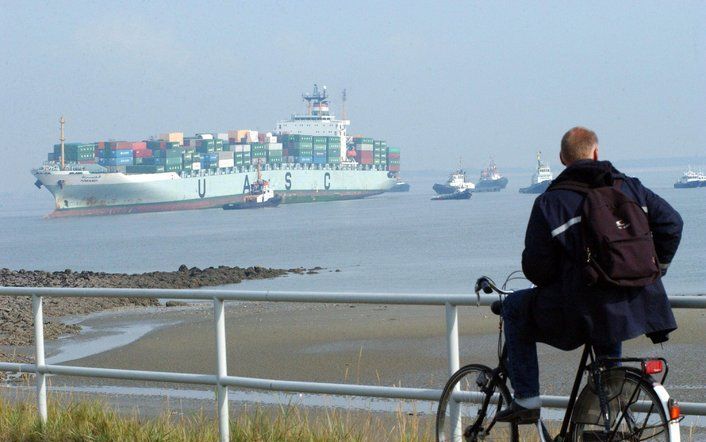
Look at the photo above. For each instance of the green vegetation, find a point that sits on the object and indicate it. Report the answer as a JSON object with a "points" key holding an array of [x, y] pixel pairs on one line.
{"points": [[74, 420]]}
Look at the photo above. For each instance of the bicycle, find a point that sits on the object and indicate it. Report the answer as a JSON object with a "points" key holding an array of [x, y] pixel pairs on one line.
{"points": [[619, 401]]}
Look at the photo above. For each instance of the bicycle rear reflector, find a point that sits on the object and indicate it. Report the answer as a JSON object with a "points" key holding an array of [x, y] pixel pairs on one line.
{"points": [[674, 410], [652, 366]]}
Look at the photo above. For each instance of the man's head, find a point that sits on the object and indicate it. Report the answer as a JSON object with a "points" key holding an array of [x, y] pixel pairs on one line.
{"points": [[578, 143]]}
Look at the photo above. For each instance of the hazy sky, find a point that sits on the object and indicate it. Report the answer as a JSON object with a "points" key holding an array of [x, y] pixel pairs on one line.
{"points": [[438, 79]]}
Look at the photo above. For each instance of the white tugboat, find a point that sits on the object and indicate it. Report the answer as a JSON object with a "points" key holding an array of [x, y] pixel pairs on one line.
{"points": [[457, 182], [691, 179], [541, 178], [260, 196]]}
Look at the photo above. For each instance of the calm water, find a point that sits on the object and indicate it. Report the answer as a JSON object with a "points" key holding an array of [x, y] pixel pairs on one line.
{"points": [[392, 242]]}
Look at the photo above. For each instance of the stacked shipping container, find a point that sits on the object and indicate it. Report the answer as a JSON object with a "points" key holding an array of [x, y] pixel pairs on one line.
{"points": [[175, 153]]}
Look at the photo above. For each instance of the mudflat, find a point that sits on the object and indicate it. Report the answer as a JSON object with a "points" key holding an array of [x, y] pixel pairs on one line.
{"points": [[372, 344]]}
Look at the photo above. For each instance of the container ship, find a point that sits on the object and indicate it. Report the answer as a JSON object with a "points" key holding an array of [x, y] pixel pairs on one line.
{"points": [[490, 179], [308, 157], [541, 179]]}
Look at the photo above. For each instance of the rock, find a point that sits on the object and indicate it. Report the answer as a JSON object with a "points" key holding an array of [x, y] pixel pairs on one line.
{"points": [[176, 304]]}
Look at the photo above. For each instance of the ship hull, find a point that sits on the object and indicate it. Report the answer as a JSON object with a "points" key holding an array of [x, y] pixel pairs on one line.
{"points": [[443, 189], [536, 188], [117, 193], [689, 185], [491, 185]]}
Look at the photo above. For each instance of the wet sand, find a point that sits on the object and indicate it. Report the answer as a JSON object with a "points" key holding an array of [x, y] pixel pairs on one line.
{"points": [[386, 345]]}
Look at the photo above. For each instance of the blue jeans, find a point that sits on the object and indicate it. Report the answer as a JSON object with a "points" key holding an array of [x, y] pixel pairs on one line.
{"points": [[522, 363]]}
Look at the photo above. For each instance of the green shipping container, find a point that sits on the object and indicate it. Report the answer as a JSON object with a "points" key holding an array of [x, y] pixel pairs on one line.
{"points": [[143, 168]]}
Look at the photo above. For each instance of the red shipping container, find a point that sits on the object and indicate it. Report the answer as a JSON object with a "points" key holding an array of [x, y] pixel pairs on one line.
{"points": [[101, 144], [393, 156], [143, 153], [261, 137], [138, 145], [364, 157], [119, 145], [350, 153], [394, 168], [87, 161]]}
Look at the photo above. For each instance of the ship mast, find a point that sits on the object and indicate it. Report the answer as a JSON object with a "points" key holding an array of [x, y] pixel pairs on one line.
{"points": [[62, 139], [315, 98]]}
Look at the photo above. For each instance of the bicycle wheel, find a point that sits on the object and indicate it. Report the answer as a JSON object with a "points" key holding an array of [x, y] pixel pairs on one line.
{"points": [[635, 411], [468, 406]]}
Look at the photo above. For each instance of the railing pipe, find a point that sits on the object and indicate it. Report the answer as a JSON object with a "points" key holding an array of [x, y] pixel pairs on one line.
{"points": [[219, 316], [38, 314], [222, 381]]}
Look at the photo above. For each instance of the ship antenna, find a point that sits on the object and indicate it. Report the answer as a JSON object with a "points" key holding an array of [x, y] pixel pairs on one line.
{"points": [[62, 139]]}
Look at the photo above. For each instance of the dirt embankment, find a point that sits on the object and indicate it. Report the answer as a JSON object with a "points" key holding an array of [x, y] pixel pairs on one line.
{"points": [[16, 322]]}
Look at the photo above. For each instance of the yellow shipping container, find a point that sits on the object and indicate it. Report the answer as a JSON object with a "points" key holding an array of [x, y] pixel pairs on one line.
{"points": [[173, 136]]}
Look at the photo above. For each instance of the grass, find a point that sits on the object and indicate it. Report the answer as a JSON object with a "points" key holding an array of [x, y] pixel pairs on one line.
{"points": [[85, 420], [96, 421]]}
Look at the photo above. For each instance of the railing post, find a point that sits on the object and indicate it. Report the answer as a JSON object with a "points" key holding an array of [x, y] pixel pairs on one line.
{"points": [[219, 316], [453, 353], [39, 357]]}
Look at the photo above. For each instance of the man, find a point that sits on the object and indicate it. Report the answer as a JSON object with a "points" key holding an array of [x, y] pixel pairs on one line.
{"points": [[563, 311]]}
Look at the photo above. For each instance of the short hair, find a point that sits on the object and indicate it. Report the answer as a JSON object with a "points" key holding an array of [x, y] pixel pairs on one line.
{"points": [[577, 144]]}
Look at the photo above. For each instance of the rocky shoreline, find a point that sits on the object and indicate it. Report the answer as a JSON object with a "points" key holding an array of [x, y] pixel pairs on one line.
{"points": [[16, 322]]}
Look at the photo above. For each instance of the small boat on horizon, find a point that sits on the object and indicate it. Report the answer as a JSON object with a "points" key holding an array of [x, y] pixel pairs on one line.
{"points": [[457, 182], [458, 195], [541, 179], [490, 179], [691, 179], [399, 186], [260, 196]]}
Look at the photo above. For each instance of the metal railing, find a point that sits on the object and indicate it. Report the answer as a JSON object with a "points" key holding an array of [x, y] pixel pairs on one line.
{"points": [[221, 380]]}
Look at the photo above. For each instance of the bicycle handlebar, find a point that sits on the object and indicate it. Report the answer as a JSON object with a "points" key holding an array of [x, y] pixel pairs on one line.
{"points": [[488, 286]]}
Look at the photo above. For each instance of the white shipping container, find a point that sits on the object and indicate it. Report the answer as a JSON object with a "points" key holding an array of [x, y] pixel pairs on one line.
{"points": [[238, 148], [196, 166], [274, 146], [204, 136], [221, 136], [246, 148], [271, 139], [226, 163], [252, 136], [225, 155]]}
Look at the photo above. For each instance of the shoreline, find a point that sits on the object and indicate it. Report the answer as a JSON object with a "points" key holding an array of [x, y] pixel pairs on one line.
{"points": [[62, 315]]}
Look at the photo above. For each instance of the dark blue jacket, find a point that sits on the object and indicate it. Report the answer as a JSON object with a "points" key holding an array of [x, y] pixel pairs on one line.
{"points": [[565, 311]]}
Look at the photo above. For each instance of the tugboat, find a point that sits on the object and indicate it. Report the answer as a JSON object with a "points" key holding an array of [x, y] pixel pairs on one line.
{"points": [[399, 186], [260, 196], [458, 195], [456, 183], [541, 178], [691, 179], [490, 179]]}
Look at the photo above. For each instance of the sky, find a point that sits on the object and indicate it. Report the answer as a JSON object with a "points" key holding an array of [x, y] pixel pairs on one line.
{"points": [[440, 80]]}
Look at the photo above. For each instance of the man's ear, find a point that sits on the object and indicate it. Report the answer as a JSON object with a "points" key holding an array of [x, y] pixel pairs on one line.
{"points": [[595, 153], [561, 158]]}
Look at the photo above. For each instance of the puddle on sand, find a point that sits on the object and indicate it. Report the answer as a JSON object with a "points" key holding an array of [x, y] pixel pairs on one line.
{"points": [[93, 340]]}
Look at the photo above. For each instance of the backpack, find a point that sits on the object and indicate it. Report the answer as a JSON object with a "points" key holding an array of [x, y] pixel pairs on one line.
{"points": [[617, 240]]}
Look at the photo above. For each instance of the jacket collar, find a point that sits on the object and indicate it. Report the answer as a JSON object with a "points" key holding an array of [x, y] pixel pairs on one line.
{"points": [[593, 173]]}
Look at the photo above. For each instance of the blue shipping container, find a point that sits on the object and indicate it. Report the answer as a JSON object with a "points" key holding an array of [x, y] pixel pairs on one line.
{"points": [[302, 159], [120, 153], [319, 160], [115, 161]]}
